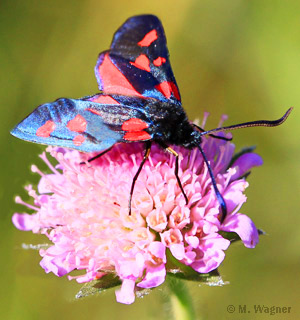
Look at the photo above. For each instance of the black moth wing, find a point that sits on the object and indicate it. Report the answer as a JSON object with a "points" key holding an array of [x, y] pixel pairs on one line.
{"points": [[138, 62]]}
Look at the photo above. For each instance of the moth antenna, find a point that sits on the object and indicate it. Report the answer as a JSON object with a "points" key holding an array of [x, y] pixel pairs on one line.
{"points": [[210, 134], [258, 123]]}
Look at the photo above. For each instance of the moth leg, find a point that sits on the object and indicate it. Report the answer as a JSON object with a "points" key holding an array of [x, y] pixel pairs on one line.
{"points": [[97, 156], [146, 155], [174, 153], [214, 184]]}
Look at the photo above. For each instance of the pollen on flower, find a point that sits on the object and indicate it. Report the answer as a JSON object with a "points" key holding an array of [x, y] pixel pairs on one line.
{"points": [[83, 210]]}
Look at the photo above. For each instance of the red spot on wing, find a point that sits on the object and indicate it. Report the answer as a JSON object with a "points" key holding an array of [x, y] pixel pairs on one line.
{"points": [[97, 112], [148, 39], [94, 111], [137, 136], [104, 100], [78, 140], [45, 130], [159, 61], [134, 124], [167, 88], [78, 124], [135, 128], [175, 90], [113, 81], [142, 62]]}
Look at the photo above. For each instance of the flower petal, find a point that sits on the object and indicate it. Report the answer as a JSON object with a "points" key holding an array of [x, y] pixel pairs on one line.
{"points": [[126, 293], [244, 163], [177, 250], [154, 277], [158, 250], [244, 227], [24, 222], [210, 253]]}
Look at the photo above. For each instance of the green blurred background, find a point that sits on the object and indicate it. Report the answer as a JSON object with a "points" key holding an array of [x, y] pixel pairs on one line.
{"points": [[236, 57]]}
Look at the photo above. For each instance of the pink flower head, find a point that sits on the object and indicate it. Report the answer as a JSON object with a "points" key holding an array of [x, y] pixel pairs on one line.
{"points": [[83, 210]]}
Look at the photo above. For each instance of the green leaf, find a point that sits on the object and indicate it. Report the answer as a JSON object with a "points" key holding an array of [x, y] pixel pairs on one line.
{"points": [[233, 237], [98, 286]]}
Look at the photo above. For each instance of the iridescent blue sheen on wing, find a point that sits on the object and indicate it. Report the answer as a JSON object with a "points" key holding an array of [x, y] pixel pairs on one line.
{"points": [[78, 124]]}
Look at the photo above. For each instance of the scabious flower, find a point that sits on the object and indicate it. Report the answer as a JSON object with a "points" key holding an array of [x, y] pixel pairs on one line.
{"points": [[83, 210]]}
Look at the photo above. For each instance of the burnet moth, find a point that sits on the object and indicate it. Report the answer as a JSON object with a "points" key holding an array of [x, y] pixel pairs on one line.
{"points": [[139, 100]]}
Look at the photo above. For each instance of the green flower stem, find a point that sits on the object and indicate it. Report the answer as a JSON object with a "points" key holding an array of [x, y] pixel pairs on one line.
{"points": [[180, 300]]}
